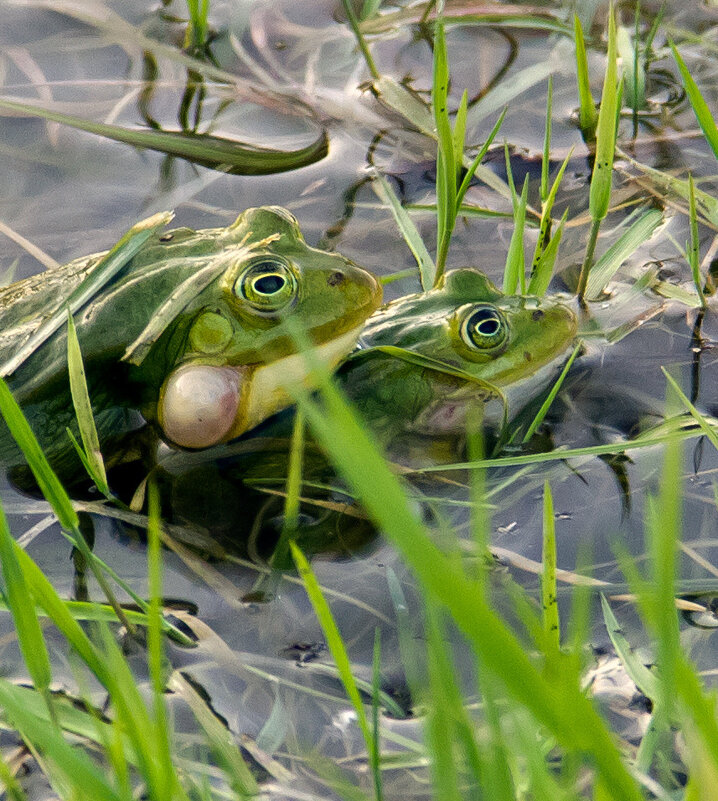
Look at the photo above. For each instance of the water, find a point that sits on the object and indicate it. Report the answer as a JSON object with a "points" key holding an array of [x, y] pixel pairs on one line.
{"points": [[72, 193]]}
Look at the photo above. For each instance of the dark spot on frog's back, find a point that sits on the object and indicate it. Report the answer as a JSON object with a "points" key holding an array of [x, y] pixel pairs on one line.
{"points": [[527, 356], [538, 314], [336, 279]]}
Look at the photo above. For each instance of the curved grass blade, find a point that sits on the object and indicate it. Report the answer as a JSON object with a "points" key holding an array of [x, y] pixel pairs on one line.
{"points": [[602, 175], [83, 410], [587, 116], [207, 150], [542, 269], [610, 262], [700, 107], [515, 269], [27, 625], [411, 235], [104, 271]]}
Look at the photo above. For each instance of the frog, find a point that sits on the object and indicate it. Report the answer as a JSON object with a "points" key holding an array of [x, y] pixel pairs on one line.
{"points": [[423, 360], [221, 363]]}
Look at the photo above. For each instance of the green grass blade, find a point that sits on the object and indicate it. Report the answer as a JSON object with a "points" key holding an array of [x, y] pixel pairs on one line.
{"points": [[412, 237], [354, 23], [700, 107], [27, 626], [335, 643], [549, 601], [601, 177], [542, 268], [204, 149], [547, 142], [83, 409], [707, 429], [515, 269], [587, 116], [640, 231], [546, 405], [459, 133], [478, 158], [375, 753], [694, 245], [108, 266], [47, 481]]}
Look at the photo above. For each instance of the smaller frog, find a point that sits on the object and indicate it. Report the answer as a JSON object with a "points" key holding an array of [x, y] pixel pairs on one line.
{"points": [[461, 343], [221, 359]]}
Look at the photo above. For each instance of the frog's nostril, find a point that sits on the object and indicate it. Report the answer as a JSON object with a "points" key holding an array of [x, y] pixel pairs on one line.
{"points": [[336, 278], [538, 314]]}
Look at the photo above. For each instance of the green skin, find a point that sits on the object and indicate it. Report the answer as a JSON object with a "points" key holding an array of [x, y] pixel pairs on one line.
{"points": [[233, 328], [529, 339]]}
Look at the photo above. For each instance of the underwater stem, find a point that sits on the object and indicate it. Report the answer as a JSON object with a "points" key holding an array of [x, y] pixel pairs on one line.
{"points": [[586, 266]]}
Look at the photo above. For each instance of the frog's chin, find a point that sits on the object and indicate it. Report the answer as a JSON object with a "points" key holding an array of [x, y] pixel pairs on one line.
{"points": [[202, 405]]}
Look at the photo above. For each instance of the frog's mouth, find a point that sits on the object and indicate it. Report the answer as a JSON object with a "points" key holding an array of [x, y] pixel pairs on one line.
{"points": [[202, 404]]}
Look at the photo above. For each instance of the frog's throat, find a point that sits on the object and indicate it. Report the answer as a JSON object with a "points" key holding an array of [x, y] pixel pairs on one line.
{"points": [[202, 405]]}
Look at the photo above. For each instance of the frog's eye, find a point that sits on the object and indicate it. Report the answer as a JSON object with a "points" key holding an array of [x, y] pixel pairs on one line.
{"points": [[484, 328], [267, 285]]}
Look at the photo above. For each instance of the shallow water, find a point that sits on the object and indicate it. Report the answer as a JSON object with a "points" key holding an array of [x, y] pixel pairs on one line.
{"points": [[71, 193]]}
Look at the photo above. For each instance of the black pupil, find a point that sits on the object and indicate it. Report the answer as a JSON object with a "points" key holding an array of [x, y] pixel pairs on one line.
{"points": [[269, 284], [486, 323]]}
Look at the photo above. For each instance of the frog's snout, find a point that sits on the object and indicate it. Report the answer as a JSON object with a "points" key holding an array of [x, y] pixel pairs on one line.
{"points": [[366, 286]]}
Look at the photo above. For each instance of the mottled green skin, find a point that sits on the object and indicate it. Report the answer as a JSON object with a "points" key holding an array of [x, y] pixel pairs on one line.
{"points": [[398, 397], [334, 297]]}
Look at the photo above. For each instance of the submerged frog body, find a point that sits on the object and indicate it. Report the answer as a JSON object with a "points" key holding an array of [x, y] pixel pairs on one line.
{"points": [[221, 358], [426, 358]]}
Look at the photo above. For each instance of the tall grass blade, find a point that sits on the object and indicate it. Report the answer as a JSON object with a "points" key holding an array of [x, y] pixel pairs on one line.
{"points": [[207, 150], [693, 246], [515, 269], [602, 175], [546, 405], [542, 268], [478, 158], [83, 409], [549, 600], [640, 231], [334, 639], [375, 753], [700, 107], [412, 237], [354, 23], [546, 156], [587, 116], [27, 626]]}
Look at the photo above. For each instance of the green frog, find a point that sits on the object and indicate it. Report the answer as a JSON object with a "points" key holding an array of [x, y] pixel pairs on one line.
{"points": [[423, 360], [218, 365], [426, 358]]}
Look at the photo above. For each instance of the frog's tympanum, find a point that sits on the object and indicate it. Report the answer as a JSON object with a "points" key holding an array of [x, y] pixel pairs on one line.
{"points": [[224, 356], [426, 358]]}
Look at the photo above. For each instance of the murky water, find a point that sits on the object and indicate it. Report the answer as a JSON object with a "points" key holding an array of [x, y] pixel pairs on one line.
{"points": [[71, 193]]}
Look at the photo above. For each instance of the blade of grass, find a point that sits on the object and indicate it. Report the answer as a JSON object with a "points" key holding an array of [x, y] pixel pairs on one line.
{"points": [[693, 248], [354, 23], [587, 116], [640, 231], [83, 409], [546, 156], [27, 625], [549, 600], [542, 269], [700, 107], [412, 237], [515, 269], [601, 177], [375, 753], [204, 149], [334, 639]]}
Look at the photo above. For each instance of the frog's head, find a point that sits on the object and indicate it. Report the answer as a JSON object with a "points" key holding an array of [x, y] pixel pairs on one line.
{"points": [[230, 358], [469, 324]]}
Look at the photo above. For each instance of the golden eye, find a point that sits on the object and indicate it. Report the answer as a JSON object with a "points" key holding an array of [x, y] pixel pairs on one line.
{"points": [[267, 285], [484, 327]]}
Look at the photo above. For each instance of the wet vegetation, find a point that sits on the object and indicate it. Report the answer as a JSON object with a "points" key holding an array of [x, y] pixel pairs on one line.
{"points": [[523, 611]]}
